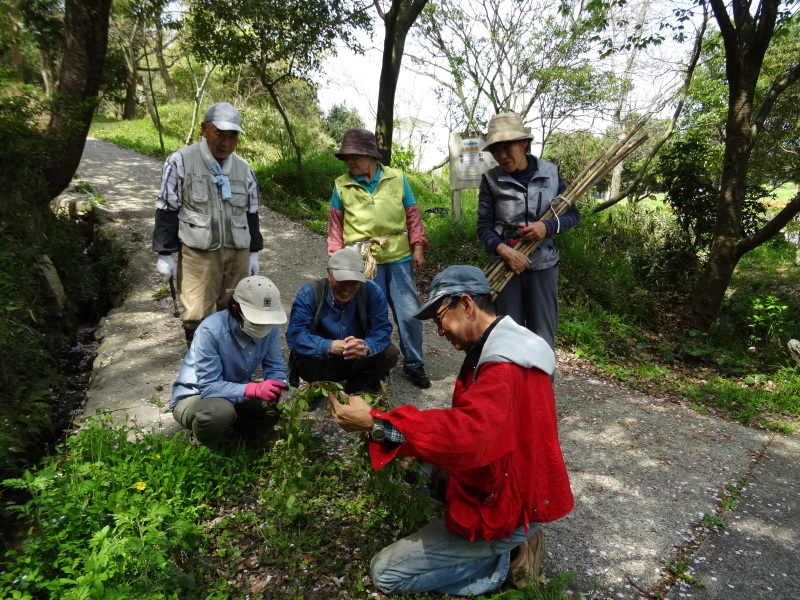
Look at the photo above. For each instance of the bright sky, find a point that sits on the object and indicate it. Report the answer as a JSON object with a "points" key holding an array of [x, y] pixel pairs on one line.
{"points": [[353, 79]]}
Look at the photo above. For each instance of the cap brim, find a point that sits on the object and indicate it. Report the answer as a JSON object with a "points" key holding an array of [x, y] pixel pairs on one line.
{"points": [[276, 316], [227, 126], [428, 311], [343, 275]]}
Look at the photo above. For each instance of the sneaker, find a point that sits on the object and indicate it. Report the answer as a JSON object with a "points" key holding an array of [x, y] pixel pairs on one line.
{"points": [[526, 568], [417, 376], [794, 350]]}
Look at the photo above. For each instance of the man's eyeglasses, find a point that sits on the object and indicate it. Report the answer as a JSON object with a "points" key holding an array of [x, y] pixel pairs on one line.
{"points": [[438, 318]]}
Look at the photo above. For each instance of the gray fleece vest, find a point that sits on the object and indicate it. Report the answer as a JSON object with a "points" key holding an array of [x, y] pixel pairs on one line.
{"points": [[514, 205], [207, 222]]}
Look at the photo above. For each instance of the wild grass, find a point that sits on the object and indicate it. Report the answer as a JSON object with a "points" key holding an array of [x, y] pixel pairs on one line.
{"points": [[118, 513]]}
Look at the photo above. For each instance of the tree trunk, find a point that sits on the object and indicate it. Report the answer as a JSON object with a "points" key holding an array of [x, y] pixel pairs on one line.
{"points": [[131, 86], [169, 85], [16, 53], [745, 46], [86, 41], [398, 21], [273, 92]]}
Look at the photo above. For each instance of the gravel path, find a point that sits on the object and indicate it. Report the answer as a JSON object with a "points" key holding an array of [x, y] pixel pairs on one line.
{"points": [[643, 470]]}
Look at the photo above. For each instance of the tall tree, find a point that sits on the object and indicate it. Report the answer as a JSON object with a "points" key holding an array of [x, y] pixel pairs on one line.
{"points": [[86, 41], [526, 56], [279, 40], [397, 20], [747, 32]]}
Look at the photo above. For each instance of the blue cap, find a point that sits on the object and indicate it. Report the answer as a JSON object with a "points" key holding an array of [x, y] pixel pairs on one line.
{"points": [[453, 281]]}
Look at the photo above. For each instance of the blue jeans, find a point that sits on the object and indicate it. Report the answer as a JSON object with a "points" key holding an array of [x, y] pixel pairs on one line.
{"points": [[435, 559], [397, 282]]}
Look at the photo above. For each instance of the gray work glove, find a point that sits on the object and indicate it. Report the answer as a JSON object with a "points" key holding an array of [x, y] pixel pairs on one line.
{"points": [[166, 266]]}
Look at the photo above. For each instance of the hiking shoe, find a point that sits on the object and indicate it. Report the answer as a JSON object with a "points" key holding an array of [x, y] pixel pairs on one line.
{"points": [[418, 376], [794, 350], [526, 568]]}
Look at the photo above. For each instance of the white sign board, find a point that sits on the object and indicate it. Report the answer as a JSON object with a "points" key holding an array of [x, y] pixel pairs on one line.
{"points": [[468, 162]]}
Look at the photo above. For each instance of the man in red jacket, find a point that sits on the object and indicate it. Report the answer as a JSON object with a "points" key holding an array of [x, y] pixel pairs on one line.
{"points": [[498, 445]]}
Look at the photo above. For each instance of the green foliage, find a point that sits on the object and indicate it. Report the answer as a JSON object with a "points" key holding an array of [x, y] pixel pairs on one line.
{"points": [[558, 588], [305, 196], [767, 321], [33, 326], [278, 40], [339, 119], [109, 515], [402, 157], [713, 522], [125, 514]]}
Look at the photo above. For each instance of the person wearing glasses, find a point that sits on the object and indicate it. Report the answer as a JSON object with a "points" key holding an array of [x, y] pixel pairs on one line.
{"points": [[495, 451], [207, 213], [512, 199]]}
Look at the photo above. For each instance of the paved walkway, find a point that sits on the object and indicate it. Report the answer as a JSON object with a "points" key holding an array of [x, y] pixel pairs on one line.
{"points": [[644, 471]]}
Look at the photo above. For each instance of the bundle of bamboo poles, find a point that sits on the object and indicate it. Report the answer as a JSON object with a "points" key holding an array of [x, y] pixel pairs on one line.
{"points": [[498, 274]]}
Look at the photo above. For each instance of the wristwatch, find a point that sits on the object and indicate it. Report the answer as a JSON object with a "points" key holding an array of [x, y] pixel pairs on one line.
{"points": [[378, 433]]}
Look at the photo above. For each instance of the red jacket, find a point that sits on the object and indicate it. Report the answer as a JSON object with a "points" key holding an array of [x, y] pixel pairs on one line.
{"points": [[499, 442]]}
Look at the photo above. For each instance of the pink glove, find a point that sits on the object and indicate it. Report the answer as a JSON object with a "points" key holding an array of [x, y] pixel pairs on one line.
{"points": [[266, 390]]}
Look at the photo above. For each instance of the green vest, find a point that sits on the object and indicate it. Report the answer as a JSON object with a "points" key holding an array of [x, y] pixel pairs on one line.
{"points": [[380, 214]]}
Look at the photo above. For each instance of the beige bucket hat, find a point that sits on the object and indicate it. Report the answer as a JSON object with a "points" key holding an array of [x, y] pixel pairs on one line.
{"points": [[506, 127]]}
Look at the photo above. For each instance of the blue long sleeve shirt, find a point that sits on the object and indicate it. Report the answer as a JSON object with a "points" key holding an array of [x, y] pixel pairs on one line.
{"points": [[337, 322], [222, 359]]}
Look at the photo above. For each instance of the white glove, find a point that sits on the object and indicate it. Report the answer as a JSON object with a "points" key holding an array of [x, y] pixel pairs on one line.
{"points": [[166, 266], [253, 263]]}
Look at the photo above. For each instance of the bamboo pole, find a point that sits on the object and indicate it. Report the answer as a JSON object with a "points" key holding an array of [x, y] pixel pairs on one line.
{"points": [[498, 274]]}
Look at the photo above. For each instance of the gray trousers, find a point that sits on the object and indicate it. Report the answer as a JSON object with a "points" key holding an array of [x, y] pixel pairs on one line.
{"points": [[210, 418], [531, 299]]}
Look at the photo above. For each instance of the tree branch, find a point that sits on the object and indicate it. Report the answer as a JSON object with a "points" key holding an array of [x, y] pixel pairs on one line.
{"points": [[772, 228]]}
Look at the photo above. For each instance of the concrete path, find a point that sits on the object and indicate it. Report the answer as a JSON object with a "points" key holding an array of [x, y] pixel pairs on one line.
{"points": [[644, 471]]}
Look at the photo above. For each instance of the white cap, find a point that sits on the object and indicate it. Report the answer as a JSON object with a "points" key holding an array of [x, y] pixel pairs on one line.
{"points": [[260, 301]]}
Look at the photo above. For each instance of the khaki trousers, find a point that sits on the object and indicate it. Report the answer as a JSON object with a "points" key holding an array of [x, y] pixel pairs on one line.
{"points": [[210, 418], [206, 280]]}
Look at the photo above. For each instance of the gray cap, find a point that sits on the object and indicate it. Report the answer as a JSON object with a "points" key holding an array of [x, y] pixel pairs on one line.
{"points": [[224, 116], [260, 301], [453, 281], [347, 265]]}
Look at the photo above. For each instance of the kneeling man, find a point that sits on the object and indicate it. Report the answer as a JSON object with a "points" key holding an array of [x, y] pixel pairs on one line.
{"points": [[496, 449]]}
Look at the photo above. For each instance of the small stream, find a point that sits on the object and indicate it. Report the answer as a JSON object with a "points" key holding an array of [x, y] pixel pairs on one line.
{"points": [[74, 365]]}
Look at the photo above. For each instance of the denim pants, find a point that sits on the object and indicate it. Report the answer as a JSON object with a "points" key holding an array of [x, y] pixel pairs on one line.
{"points": [[435, 559], [400, 288]]}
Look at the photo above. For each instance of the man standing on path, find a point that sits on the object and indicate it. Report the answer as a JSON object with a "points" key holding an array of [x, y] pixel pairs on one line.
{"points": [[339, 328], [497, 447], [207, 212]]}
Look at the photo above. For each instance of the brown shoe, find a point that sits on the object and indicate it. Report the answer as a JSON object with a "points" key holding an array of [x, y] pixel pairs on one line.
{"points": [[526, 568]]}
